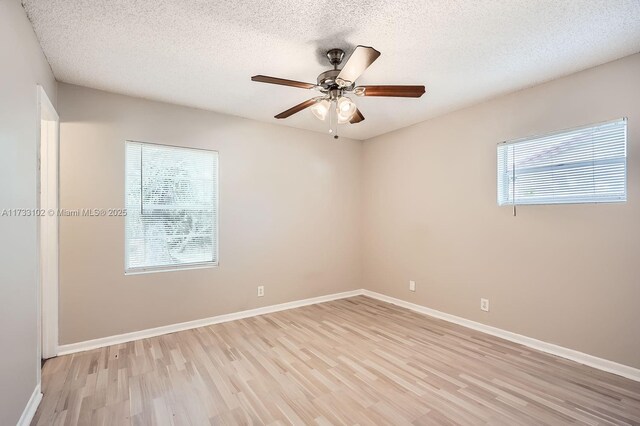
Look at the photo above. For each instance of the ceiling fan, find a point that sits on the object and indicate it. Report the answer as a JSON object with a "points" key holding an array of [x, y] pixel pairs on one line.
{"points": [[336, 83]]}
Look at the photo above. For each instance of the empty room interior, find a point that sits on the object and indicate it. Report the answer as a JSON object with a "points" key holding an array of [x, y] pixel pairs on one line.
{"points": [[320, 213]]}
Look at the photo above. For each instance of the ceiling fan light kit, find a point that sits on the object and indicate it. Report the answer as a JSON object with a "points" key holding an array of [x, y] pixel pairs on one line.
{"points": [[321, 108], [345, 108], [335, 83]]}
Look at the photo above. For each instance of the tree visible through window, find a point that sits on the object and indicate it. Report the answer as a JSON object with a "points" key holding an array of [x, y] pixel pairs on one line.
{"points": [[171, 201]]}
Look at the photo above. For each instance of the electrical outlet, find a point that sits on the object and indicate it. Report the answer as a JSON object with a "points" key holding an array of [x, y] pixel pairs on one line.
{"points": [[484, 305], [412, 285], [260, 290]]}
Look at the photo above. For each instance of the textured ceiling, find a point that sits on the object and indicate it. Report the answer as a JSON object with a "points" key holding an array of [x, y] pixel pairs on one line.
{"points": [[202, 53]]}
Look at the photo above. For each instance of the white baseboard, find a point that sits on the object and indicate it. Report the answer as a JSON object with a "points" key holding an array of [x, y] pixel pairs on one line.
{"points": [[152, 332], [550, 348], [573, 355], [30, 409]]}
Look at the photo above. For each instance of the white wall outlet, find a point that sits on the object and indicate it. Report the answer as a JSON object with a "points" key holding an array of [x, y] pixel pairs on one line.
{"points": [[484, 305], [260, 290], [412, 285]]}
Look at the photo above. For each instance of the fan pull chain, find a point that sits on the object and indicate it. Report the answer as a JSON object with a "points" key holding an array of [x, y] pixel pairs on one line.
{"points": [[333, 119]]}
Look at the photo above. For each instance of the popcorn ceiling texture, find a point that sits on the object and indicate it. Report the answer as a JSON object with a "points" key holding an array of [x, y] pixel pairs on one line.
{"points": [[202, 53]]}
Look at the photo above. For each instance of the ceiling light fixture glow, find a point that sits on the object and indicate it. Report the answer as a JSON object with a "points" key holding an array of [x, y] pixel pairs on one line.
{"points": [[345, 108], [320, 109]]}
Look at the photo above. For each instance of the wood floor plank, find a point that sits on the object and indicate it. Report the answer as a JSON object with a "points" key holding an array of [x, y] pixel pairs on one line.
{"points": [[350, 361]]}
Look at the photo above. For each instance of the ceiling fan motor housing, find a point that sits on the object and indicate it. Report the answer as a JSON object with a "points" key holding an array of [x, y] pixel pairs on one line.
{"points": [[327, 80]]}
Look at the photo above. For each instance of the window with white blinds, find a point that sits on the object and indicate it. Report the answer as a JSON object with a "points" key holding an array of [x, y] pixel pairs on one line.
{"points": [[172, 207], [582, 165]]}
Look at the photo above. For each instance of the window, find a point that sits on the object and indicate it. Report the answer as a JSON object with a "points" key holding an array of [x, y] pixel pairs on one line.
{"points": [[172, 207], [583, 165]]}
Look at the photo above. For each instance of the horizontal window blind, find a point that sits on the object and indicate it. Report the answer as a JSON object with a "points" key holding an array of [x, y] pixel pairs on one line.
{"points": [[172, 206], [583, 165]]}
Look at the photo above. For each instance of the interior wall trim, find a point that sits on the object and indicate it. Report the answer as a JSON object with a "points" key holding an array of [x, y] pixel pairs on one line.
{"points": [[32, 406], [550, 348], [158, 331]]}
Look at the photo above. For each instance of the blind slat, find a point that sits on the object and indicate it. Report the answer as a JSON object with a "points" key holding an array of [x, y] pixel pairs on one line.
{"points": [[171, 201], [582, 165]]}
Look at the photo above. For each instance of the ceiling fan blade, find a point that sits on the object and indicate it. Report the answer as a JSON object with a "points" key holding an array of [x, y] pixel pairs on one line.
{"points": [[282, 81], [357, 117], [297, 108], [357, 63], [392, 91]]}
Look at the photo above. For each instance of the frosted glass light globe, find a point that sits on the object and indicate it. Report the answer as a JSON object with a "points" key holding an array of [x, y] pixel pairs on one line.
{"points": [[345, 108], [320, 109]]}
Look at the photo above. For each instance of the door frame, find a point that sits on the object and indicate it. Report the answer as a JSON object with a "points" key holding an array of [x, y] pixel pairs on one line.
{"points": [[48, 226]]}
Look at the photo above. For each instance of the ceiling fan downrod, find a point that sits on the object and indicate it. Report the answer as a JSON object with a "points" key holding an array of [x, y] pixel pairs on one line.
{"points": [[335, 57]]}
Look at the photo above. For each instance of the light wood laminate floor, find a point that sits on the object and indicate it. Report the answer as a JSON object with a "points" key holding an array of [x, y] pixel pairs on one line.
{"points": [[351, 361]]}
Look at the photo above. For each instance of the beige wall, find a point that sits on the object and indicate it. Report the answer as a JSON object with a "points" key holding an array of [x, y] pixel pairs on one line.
{"points": [[289, 215], [23, 66], [565, 274]]}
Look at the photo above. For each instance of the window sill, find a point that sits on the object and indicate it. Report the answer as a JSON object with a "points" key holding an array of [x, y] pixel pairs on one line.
{"points": [[170, 268]]}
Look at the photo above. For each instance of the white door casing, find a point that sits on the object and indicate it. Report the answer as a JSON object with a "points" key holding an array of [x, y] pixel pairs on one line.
{"points": [[48, 224]]}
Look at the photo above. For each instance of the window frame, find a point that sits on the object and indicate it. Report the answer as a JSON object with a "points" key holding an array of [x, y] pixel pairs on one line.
{"points": [[505, 190], [180, 266]]}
